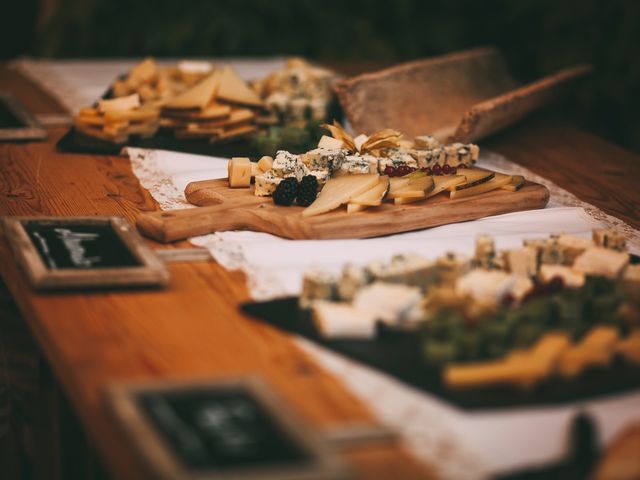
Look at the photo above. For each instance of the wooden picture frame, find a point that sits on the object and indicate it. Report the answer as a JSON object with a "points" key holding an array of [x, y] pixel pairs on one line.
{"points": [[30, 128], [159, 460], [143, 269]]}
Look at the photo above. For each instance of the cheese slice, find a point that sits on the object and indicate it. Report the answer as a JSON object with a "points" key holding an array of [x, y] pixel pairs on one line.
{"points": [[444, 182], [373, 197], [341, 190], [473, 176], [239, 116], [355, 208], [138, 115], [122, 103], [234, 89], [498, 181], [416, 188], [198, 96], [360, 140], [213, 111], [517, 182], [144, 71], [330, 143]]}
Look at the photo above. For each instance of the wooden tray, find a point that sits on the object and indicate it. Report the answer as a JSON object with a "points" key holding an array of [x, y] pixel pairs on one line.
{"points": [[459, 97], [239, 209]]}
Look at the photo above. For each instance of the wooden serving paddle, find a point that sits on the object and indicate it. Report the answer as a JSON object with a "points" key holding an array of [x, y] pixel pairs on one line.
{"points": [[238, 209]]}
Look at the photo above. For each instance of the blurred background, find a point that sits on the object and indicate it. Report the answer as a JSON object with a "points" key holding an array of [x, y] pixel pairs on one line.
{"points": [[536, 36]]}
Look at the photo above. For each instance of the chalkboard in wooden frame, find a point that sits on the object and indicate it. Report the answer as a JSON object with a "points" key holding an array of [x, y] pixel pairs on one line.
{"points": [[82, 252], [229, 429]]}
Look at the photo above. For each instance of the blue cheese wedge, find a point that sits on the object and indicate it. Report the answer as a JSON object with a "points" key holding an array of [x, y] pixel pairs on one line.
{"points": [[266, 183], [425, 142], [396, 158], [289, 165], [317, 285], [357, 164], [609, 239], [353, 279], [428, 157], [324, 159]]}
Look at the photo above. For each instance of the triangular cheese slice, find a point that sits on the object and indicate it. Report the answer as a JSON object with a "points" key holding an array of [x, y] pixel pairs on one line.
{"points": [[338, 191], [373, 197], [497, 181], [443, 182], [234, 89], [199, 96]]}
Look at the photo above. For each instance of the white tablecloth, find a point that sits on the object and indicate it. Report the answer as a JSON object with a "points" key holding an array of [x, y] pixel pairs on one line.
{"points": [[459, 444]]}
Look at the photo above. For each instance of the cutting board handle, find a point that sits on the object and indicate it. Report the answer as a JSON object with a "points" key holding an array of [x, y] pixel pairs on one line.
{"points": [[173, 225]]}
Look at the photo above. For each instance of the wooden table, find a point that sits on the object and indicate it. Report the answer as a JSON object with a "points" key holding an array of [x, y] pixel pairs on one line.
{"points": [[193, 328]]}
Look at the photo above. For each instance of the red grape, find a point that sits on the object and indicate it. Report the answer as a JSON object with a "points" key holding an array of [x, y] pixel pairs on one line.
{"points": [[390, 171], [446, 169], [436, 169]]}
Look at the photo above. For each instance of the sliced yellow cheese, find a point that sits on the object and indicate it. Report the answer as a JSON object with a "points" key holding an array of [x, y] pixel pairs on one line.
{"points": [[239, 169], [198, 96], [122, 103], [473, 177], [340, 190], [138, 115], [234, 89], [497, 181], [265, 163], [330, 143], [354, 207], [373, 197], [444, 182], [405, 200], [517, 182], [145, 71], [398, 183], [416, 188]]}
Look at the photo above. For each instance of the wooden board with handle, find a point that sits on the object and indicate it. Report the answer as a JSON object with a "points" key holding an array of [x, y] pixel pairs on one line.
{"points": [[225, 208]]}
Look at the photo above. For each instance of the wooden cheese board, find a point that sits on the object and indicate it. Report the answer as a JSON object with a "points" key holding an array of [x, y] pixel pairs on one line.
{"points": [[223, 208]]}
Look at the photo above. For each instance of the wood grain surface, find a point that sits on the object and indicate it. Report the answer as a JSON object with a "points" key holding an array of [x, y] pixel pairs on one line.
{"points": [[239, 209], [193, 329]]}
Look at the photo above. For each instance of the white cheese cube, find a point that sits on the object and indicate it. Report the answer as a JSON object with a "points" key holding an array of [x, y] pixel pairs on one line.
{"points": [[485, 285], [522, 261], [425, 142], [353, 278], [355, 164], [601, 261], [265, 163], [609, 239], [341, 320], [289, 165], [392, 304]]}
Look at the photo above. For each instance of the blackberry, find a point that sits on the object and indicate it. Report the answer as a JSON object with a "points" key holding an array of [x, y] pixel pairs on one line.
{"points": [[307, 191], [286, 192]]}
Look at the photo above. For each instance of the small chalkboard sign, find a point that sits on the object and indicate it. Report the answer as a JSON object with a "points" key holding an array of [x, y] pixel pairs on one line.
{"points": [[81, 252], [16, 122], [223, 430]]}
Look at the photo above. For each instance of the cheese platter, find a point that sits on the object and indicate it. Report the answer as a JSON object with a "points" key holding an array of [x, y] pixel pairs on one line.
{"points": [[348, 187], [546, 323]]}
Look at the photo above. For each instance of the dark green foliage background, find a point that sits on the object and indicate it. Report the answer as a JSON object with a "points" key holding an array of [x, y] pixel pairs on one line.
{"points": [[537, 37]]}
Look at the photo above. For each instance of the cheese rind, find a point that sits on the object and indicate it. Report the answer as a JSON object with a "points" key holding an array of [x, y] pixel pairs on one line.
{"points": [[485, 187]]}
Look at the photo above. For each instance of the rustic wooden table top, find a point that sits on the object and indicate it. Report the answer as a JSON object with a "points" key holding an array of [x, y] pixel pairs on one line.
{"points": [[193, 328]]}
